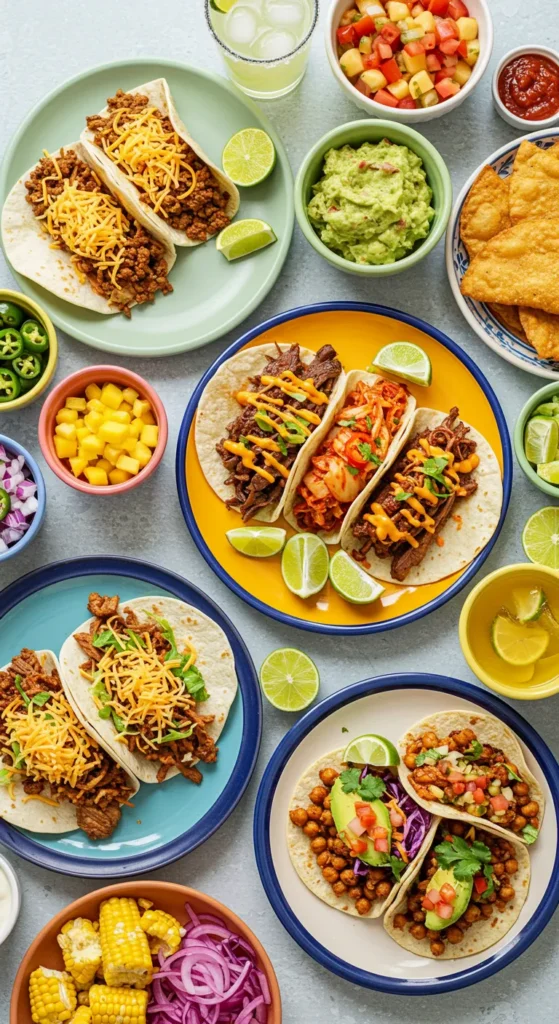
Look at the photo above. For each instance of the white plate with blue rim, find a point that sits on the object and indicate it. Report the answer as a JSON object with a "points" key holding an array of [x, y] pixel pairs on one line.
{"points": [[479, 316]]}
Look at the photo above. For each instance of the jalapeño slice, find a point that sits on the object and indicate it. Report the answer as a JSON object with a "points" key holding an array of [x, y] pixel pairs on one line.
{"points": [[10, 315], [28, 366], [5, 503], [11, 343], [35, 338], [10, 386]]}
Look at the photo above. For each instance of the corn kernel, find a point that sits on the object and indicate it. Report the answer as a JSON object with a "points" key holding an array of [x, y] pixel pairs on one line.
{"points": [[140, 406], [94, 405], [119, 476], [150, 436], [111, 454], [78, 465], [66, 430], [113, 432], [142, 453], [129, 464], [93, 391], [111, 396], [129, 395], [97, 477], [136, 427], [93, 444], [66, 416], [76, 403], [65, 449]]}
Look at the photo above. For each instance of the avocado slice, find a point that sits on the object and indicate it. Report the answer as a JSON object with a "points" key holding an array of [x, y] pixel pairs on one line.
{"points": [[342, 806], [463, 891]]}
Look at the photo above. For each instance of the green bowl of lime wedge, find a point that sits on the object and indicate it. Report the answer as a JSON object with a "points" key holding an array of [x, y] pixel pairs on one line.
{"points": [[536, 439]]}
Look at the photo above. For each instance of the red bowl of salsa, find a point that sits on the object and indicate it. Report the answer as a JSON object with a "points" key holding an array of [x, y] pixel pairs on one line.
{"points": [[526, 87]]}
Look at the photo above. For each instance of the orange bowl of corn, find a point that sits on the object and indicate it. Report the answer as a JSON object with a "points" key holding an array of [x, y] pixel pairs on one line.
{"points": [[103, 430]]}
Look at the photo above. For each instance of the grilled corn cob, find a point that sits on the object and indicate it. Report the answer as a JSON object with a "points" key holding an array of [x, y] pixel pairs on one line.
{"points": [[81, 949], [124, 946], [82, 1016], [52, 995], [164, 931], [117, 1005]]}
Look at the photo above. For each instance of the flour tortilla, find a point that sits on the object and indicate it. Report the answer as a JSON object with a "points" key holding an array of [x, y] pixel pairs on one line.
{"points": [[304, 860], [484, 932], [218, 407], [28, 247], [352, 379], [215, 660], [463, 540], [159, 95], [488, 730], [35, 815]]}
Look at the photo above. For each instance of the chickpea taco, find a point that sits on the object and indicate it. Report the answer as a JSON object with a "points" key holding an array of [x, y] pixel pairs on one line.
{"points": [[471, 767], [255, 418], [155, 679], [354, 834], [463, 895]]}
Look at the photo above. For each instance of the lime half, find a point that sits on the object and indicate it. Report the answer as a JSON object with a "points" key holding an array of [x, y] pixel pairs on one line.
{"points": [[257, 541], [541, 439], [517, 643], [289, 679], [243, 237], [406, 360], [371, 749], [351, 582], [549, 471], [528, 603], [249, 157], [222, 5], [540, 537], [304, 564]]}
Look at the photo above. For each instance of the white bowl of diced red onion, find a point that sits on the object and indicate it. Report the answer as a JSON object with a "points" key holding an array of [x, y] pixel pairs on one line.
{"points": [[22, 498], [357, 89]]}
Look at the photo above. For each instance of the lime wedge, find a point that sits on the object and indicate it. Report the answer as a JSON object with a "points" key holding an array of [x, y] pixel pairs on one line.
{"points": [[541, 439], [528, 603], [549, 470], [222, 5], [257, 541], [371, 749], [304, 564], [540, 537], [243, 237], [289, 679], [249, 157], [547, 409], [516, 643], [405, 360], [351, 582]]}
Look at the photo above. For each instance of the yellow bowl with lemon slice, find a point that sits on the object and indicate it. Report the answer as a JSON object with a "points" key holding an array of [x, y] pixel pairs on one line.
{"points": [[509, 631]]}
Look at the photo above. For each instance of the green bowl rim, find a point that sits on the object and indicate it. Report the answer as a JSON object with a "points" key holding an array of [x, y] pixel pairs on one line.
{"points": [[518, 438]]}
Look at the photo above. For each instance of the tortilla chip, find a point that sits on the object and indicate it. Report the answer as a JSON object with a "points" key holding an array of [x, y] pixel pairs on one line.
{"points": [[508, 316], [519, 267], [534, 187], [485, 212], [524, 152], [542, 330]]}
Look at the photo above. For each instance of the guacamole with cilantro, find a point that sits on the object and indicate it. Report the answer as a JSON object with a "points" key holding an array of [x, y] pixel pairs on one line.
{"points": [[372, 203]]}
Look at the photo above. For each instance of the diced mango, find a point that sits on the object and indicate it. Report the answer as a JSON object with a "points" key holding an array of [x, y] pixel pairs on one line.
{"points": [[76, 403], [86, 456], [94, 405], [78, 465], [67, 430], [420, 84], [111, 454], [66, 416], [97, 477], [82, 432], [79, 422], [351, 63], [429, 98], [467, 28], [462, 72], [125, 407], [415, 64], [148, 417], [140, 406], [93, 420], [136, 427], [129, 444], [119, 476], [65, 449], [93, 445], [113, 432], [111, 396], [142, 453], [104, 464], [473, 51], [128, 464], [399, 89], [120, 416], [397, 11], [374, 79], [129, 395], [426, 20], [93, 391], [150, 435]]}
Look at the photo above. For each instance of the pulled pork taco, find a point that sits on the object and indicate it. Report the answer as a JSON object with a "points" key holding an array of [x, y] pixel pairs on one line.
{"points": [[371, 422], [68, 227], [435, 508], [55, 774], [354, 835], [155, 679], [140, 140], [469, 767], [255, 418], [464, 894]]}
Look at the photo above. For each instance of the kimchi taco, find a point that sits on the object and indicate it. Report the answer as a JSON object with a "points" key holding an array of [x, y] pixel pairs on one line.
{"points": [[155, 678], [140, 140], [435, 507], [67, 226], [56, 775], [354, 834], [372, 420], [255, 418], [471, 767], [464, 894]]}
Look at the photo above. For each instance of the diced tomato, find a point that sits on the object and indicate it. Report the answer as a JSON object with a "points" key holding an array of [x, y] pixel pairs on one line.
{"points": [[458, 787], [386, 98], [391, 71], [381, 845], [463, 48], [441, 78], [434, 64], [408, 103], [362, 86], [380, 832], [445, 29], [479, 795], [449, 46], [448, 894], [364, 27], [429, 41], [439, 7], [480, 883], [456, 9], [371, 60], [361, 805], [383, 49], [444, 910], [346, 35], [426, 904], [390, 33], [359, 846], [414, 49], [499, 802], [453, 776], [481, 781], [433, 895], [471, 786]]}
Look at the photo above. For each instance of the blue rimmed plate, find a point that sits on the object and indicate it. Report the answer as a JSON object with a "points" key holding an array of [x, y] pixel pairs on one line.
{"points": [[39, 611], [479, 316], [360, 950]]}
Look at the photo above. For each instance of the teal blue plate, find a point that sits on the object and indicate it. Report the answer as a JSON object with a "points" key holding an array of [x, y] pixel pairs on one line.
{"points": [[39, 611], [211, 296]]}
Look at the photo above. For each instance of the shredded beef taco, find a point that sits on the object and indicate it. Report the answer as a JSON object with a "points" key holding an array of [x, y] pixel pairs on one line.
{"points": [[55, 774], [67, 226], [464, 894], [155, 679], [354, 835], [255, 418], [435, 508], [372, 420], [471, 767], [141, 141]]}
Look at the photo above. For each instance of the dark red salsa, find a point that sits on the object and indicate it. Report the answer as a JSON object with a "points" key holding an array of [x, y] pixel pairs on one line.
{"points": [[529, 86]]}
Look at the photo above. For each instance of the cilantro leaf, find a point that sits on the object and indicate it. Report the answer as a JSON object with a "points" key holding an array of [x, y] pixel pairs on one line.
{"points": [[350, 780], [530, 834], [465, 861], [369, 423], [431, 755], [397, 867], [352, 470], [349, 423], [367, 452], [378, 442], [474, 751], [371, 788], [403, 495]]}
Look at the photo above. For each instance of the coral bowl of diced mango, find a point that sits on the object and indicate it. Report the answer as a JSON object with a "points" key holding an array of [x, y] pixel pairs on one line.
{"points": [[103, 430]]}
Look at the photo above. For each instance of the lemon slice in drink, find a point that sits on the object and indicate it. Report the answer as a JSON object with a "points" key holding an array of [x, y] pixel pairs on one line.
{"points": [[371, 749], [528, 603], [249, 157], [289, 679], [304, 564], [541, 440], [517, 643], [540, 537], [406, 360], [243, 237], [351, 582], [257, 541]]}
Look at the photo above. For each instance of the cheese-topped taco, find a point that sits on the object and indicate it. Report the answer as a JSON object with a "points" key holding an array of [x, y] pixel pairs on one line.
{"points": [[56, 775], [155, 678]]}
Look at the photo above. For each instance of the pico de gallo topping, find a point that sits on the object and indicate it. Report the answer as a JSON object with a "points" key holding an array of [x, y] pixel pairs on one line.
{"points": [[529, 86], [410, 54]]}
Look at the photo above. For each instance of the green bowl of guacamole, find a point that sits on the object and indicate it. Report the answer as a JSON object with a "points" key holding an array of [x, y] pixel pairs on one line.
{"points": [[373, 197]]}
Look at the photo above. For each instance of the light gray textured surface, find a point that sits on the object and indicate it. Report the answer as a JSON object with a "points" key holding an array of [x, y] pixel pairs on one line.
{"points": [[41, 44]]}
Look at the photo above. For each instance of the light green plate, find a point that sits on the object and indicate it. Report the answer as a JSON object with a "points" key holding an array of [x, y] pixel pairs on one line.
{"points": [[210, 296]]}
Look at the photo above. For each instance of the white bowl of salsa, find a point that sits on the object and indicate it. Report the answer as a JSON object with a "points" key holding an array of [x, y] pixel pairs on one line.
{"points": [[526, 87]]}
